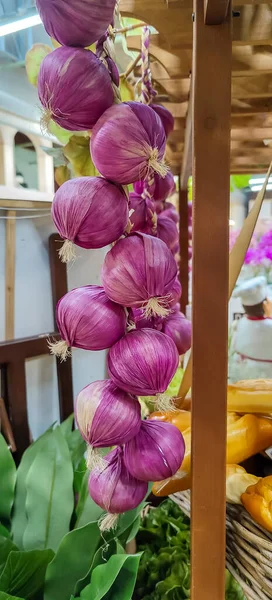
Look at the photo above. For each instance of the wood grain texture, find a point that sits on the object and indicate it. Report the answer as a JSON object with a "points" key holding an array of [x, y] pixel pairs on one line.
{"points": [[183, 243], [10, 259], [215, 11], [59, 289], [211, 164]]}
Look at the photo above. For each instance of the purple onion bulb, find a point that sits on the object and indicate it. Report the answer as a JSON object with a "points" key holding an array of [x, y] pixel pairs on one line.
{"points": [[143, 362], [74, 88], [156, 452]]}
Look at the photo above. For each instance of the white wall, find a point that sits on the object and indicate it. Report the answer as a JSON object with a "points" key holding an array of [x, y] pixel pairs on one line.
{"points": [[34, 314]]}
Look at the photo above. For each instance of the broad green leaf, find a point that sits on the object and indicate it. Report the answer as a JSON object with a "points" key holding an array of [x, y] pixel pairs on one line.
{"points": [[33, 61], [50, 498], [116, 578], [72, 562], [19, 518], [77, 151], [6, 546], [4, 532], [77, 447], [101, 556], [8, 479], [24, 573], [127, 520], [134, 529], [87, 510], [79, 476], [67, 425], [124, 584], [4, 596]]}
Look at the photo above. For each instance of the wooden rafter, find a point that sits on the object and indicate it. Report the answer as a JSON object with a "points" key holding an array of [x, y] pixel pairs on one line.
{"points": [[215, 11]]}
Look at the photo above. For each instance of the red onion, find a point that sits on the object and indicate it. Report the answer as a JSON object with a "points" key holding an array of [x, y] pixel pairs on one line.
{"points": [[170, 212], [74, 88], [167, 231], [175, 325], [141, 271], [87, 319], [143, 362], [75, 22], [106, 416], [128, 143], [90, 212], [179, 329], [166, 118], [143, 218], [115, 489], [163, 187], [156, 452], [177, 291]]}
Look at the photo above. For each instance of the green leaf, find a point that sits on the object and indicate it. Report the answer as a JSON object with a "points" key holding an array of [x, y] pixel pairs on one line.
{"points": [[102, 554], [4, 596], [72, 562], [116, 578], [63, 135], [8, 479], [33, 61], [6, 546], [134, 529], [77, 447], [87, 510], [19, 518], [50, 498], [67, 425], [78, 153], [4, 532], [24, 572]]}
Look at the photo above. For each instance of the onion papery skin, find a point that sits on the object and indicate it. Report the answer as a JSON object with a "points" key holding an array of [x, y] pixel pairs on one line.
{"points": [[76, 22], [87, 319], [90, 211], [156, 452], [170, 212], [143, 362], [106, 415], [166, 117], [74, 88], [138, 268], [179, 329], [123, 140], [161, 189], [143, 217], [114, 488], [167, 231], [175, 325]]}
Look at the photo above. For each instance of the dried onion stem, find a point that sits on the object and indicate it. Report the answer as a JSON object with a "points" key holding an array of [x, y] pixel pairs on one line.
{"points": [[60, 349], [108, 522]]}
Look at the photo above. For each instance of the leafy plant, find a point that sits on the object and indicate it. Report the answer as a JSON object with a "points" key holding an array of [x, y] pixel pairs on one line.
{"points": [[50, 543], [164, 572]]}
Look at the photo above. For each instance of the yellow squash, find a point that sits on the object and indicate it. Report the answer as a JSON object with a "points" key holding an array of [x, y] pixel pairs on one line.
{"points": [[257, 500]]}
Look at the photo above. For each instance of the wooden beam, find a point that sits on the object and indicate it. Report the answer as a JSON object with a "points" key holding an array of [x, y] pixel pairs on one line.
{"points": [[211, 160], [10, 273], [183, 244], [251, 87], [215, 11], [254, 160], [186, 167], [178, 109]]}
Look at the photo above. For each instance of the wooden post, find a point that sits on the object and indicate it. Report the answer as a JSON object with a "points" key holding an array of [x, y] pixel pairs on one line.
{"points": [[183, 243], [59, 289], [10, 273], [211, 167]]}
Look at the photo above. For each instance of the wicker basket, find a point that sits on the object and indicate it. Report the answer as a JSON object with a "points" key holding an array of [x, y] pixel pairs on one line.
{"points": [[249, 550]]}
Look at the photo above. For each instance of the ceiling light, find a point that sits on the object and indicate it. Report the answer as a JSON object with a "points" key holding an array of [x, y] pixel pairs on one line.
{"points": [[19, 25]]}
